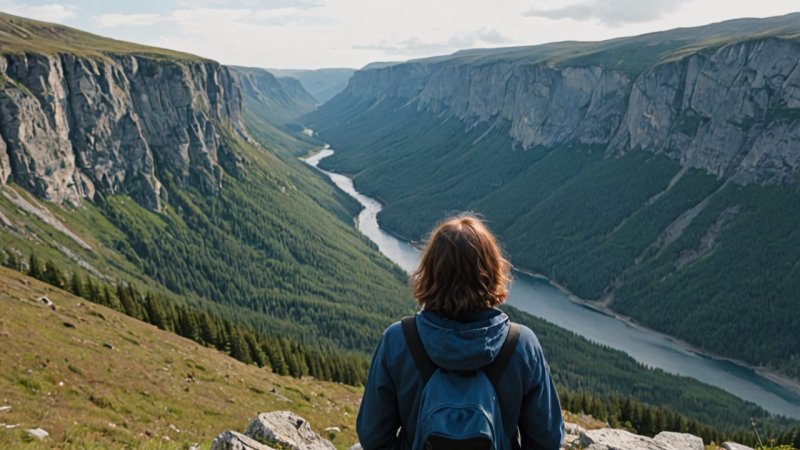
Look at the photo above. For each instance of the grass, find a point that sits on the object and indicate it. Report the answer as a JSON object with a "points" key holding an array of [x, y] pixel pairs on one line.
{"points": [[22, 35], [150, 387]]}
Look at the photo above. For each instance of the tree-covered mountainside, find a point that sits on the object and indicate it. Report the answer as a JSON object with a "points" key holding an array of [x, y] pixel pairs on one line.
{"points": [[655, 174], [149, 176]]}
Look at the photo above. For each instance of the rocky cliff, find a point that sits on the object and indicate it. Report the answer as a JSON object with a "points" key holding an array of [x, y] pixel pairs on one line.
{"points": [[73, 124], [729, 106]]}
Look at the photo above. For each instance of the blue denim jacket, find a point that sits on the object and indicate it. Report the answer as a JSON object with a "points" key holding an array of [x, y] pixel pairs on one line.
{"points": [[528, 398]]}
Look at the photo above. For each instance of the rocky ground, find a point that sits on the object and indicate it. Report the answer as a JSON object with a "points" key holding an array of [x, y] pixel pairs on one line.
{"points": [[286, 430]]}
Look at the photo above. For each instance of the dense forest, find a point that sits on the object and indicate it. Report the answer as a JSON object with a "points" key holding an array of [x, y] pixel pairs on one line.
{"points": [[282, 355], [677, 249]]}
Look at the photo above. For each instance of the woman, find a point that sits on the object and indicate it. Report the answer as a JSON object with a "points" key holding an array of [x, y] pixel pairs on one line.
{"points": [[462, 277]]}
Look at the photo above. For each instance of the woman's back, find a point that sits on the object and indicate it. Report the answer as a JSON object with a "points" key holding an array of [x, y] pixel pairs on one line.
{"points": [[461, 336]]}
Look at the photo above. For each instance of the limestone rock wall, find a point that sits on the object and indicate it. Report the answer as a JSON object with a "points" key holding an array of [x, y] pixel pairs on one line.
{"points": [[733, 110], [71, 126]]}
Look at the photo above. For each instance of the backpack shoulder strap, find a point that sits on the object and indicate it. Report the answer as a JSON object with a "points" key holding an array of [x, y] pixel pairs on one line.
{"points": [[424, 363], [495, 370]]}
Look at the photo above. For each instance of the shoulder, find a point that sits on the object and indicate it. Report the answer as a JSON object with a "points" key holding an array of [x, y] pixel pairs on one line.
{"points": [[393, 332], [392, 342], [527, 338], [528, 347]]}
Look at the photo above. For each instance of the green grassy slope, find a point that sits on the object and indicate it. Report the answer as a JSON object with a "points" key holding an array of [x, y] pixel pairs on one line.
{"points": [[631, 55], [19, 35], [60, 375]]}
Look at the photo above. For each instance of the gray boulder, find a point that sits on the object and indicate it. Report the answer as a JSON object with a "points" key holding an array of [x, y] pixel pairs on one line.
{"points": [[38, 433], [287, 430], [611, 439], [231, 440], [735, 446], [679, 441]]}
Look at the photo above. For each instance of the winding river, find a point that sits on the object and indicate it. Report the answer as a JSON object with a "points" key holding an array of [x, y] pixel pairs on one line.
{"points": [[541, 298]]}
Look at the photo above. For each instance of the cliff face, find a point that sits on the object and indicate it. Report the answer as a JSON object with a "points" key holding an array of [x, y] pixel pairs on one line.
{"points": [[75, 125], [732, 110]]}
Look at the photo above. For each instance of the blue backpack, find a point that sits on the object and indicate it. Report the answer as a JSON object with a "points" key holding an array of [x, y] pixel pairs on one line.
{"points": [[460, 410]]}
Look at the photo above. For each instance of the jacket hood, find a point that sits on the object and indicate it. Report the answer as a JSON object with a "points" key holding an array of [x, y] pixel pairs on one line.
{"points": [[468, 345]]}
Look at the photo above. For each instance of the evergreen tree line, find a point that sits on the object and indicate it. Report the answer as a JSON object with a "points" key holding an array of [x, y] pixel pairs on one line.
{"points": [[626, 412], [281, 355]]}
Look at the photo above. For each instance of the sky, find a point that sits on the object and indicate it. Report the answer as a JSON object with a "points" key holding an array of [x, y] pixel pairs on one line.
{"points": [[309, 34]]}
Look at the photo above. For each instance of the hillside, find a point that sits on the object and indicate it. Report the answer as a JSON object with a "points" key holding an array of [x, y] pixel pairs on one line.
{"points": [[279, 100], [323, 84], [656, 174], [148, 175], [91, 376]]}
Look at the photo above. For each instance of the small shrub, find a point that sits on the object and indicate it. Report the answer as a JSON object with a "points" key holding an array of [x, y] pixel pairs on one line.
{"points": [[100, 401]]}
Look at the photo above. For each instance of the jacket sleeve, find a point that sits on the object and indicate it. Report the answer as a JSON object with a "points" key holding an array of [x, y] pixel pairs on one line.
{"points": [[379, 416], [540, 422]]}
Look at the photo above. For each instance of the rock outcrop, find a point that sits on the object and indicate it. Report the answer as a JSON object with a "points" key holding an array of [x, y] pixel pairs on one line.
{"points": [[282, 429], [734, 446], [72, 126], [231, 440], [288, 431], [613, 439], [731, 108]]}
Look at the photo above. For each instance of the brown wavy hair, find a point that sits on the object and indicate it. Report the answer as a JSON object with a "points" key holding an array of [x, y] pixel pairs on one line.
{"points": [[462, 269]]}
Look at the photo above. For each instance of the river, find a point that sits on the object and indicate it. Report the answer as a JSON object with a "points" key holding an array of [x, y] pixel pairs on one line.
{"points": [[539, 297]]}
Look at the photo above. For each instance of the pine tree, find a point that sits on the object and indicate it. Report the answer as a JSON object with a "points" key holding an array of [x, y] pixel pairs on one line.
{"points": [[10, 260], [53, 275], [208, 330], [35, 267], [239, 348], [92, 293], [155, 312], [109, 300], [76, 286]]}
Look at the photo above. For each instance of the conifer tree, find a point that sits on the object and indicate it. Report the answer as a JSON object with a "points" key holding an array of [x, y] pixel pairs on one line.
{"points": [[208, 330], [92, 293], [76, 286], [35, 267], [11, 261], [53, 275]]}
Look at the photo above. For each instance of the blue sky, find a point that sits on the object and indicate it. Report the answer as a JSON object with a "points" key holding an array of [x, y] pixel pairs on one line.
{"points": [[352, 33]]}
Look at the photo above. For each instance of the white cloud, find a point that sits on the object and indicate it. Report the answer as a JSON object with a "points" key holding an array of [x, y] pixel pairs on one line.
{"points": [[414, 46], [331, 33], [249, 4], [128, 20], [610, 12], [51, 12]]}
